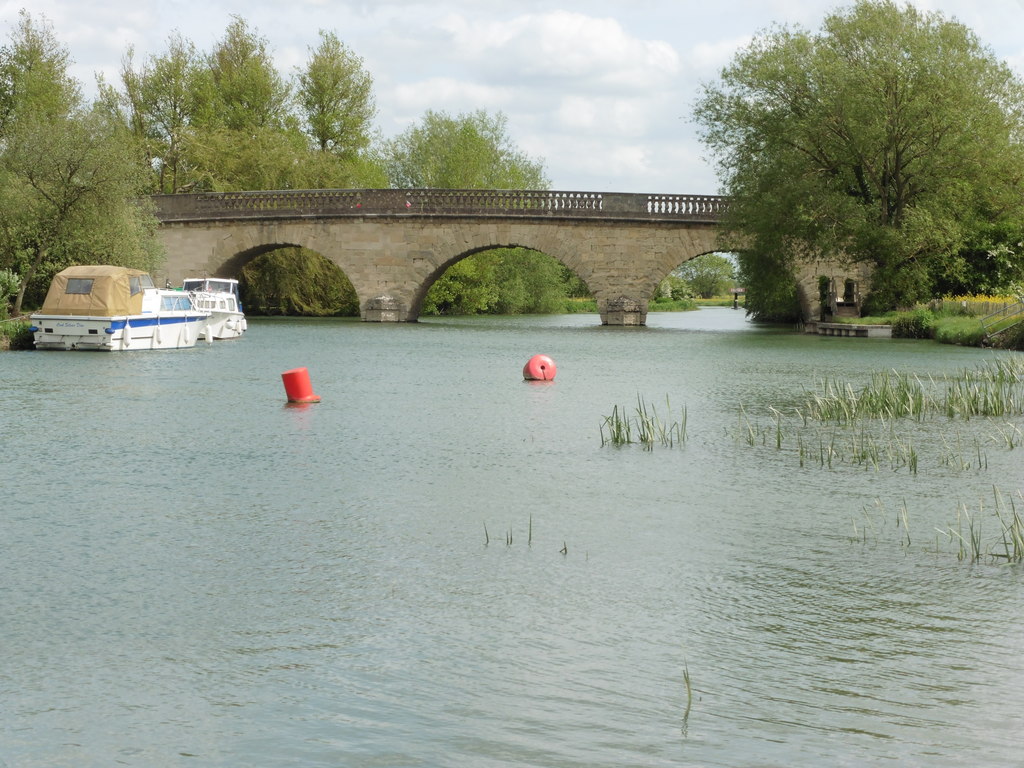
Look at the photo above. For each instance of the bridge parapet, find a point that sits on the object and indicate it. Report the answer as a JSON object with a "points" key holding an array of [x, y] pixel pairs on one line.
{"points": [[452, 202]]}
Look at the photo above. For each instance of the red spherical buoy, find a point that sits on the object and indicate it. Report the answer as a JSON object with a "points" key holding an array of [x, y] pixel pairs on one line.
{"points": [[298, 387], [539, 368]]}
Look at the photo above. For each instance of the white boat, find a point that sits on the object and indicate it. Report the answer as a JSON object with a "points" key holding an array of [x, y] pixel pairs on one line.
{"points": [[219, 296], [113, 309]]}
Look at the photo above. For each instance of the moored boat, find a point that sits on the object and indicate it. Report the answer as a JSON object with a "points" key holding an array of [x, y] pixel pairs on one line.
{"points": [[110, 308], [219, 296]]}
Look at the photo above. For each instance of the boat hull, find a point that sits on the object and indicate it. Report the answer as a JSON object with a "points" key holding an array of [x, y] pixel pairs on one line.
{"points": [[174, 330], [225, 325]]}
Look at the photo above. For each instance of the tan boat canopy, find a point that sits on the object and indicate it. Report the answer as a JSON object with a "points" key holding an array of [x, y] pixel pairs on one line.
{"points": [[99, 291]]}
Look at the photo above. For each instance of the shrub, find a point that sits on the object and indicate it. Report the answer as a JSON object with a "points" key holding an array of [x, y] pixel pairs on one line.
{"points": [[1011, 338], [15, 335], [915, 324], [9, 282]]}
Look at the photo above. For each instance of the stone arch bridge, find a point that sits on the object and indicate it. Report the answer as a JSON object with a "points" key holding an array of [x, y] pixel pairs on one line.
{"points": [[393, 244]]}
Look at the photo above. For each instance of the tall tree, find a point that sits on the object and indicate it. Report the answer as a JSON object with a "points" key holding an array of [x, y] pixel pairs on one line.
{"points": [[69, 176], [335, 95], [34, 79], [163, 97], [248, 92], [891, 138], [471, 151]]}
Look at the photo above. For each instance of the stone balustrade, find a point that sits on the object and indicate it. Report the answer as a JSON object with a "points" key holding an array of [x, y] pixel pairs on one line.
{"points": [[438, 202]]}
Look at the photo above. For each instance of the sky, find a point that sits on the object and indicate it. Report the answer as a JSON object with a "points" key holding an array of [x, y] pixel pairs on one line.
{"points": [[601, 91]]}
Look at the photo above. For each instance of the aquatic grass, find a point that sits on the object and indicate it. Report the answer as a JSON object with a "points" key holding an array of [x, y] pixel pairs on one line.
{"points": [[647, 425], [510, 536], [992, 389], [967, 534], [855, 445], [620, 430], [983, 397], [954, 457], [1011, 437], [889, 395], [968, 546], [689, 697], [838, 418], [881, 513]]}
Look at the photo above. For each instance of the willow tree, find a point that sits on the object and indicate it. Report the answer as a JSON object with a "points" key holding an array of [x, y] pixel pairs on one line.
{"points": [[891, 138]]}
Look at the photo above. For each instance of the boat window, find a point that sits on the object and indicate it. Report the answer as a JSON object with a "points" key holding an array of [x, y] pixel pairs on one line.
{"points": [[79, 285], [137, 283], [172, 303]]}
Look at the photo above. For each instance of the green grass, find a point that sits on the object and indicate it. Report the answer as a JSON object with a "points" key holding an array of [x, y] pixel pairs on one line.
{"points": [[866, 320], [663, 304], [963, 331], [720, 301], [579, 305]]}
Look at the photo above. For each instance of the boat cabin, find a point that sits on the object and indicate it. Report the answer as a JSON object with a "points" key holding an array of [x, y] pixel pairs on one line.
{"points": [[97, 291], [211, 285]]}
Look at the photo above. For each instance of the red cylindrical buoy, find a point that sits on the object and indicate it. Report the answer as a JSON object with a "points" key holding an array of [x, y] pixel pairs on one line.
{"points": [[297, 386], [539, 368]]}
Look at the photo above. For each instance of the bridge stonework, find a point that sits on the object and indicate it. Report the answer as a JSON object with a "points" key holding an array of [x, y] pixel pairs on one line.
{"points": [[393, 244]]}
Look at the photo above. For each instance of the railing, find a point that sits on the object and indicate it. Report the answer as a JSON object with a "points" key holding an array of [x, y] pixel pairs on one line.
{"points": [[444, 202], [1003, 319]]}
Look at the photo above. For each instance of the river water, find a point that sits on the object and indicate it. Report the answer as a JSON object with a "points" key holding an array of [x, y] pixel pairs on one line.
{"points": [[440, 564]]}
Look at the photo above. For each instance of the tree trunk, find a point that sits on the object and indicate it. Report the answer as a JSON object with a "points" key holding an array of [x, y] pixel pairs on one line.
{"points": [[27, 277]]}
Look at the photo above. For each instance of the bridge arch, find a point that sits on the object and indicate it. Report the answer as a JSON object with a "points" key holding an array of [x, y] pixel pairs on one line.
{"points": [[419, 298]]}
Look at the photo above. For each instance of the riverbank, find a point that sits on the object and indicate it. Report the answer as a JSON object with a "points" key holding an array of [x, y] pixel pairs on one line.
{"points": [[946, 327]]}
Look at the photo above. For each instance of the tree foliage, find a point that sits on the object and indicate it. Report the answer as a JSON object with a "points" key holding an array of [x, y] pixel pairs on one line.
{"points": [[709, 275], [297, 281], [502, 281], [335, 95], [471, 151], [228, 120], [892, 137], [70, 176], [162, 98], [246, 91]]}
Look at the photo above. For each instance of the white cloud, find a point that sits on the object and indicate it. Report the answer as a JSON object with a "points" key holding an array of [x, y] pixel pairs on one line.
{"points": [[561, 47]]}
